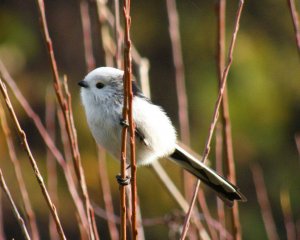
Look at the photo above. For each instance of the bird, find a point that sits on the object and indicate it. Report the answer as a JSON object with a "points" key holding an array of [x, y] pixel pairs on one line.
{"points": [[102, 97]]}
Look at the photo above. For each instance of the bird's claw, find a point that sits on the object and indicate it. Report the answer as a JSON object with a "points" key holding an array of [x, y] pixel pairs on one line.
{"points": [[123, 181], [124, 122]]}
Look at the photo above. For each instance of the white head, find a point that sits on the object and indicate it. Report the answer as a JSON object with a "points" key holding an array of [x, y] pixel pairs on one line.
{"points": [[101, 84]]}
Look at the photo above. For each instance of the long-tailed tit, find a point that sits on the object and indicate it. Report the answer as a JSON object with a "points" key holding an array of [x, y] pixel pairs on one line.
{"points": [[102, 98]]}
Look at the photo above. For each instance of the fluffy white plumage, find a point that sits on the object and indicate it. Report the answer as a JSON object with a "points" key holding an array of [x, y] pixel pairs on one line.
{"points": [[104, 113], [102, 97]]}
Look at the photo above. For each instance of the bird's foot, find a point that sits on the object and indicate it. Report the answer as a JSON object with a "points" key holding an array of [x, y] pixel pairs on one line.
{"points": [[123, 181], [124, 122]]}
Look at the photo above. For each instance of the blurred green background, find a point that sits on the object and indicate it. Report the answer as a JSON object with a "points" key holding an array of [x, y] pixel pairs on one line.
{"points": [[264, 99]]}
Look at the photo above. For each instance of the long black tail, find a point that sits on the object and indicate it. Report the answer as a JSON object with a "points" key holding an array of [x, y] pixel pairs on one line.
{"points": [[225, 190]]}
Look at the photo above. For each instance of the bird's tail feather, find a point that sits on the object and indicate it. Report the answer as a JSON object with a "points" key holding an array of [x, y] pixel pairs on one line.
{"points": [[225, 190]]}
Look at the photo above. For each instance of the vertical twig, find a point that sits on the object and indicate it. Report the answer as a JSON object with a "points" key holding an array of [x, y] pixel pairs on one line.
{"points": [[108, 45], [113, 230], [128, 94], [51, 165], [264, 203], [14, 207], [215, 114], [295, 19], [68, 123], [221, 24], [219, 169], [87, 39], [180, 86], [206, 213], [32, 161], [48, 141], [118, 34], [179, 71], [123, 233], [225, 118], [21, 183], [287, 214]]}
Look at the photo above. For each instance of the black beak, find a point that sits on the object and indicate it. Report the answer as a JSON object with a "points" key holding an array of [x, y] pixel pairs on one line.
{"points": [[83, 84]]}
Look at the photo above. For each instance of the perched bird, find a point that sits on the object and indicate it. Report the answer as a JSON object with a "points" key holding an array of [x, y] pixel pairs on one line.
{"points": [[102, 97]]}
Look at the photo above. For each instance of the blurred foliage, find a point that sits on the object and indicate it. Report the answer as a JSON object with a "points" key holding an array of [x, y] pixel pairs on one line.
{"points": [[263, 84]]}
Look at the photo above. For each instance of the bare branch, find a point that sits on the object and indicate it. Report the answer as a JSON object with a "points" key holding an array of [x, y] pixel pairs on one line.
{"points": [[109, 209], [68, 122], [21, 183], [216, 111], [14, 207], [48, 141], [264, 203], [87, 35], [32, 161]]}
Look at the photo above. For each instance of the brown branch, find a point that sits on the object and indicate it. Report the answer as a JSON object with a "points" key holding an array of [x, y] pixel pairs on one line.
{"points": [[219, 169], [295, 19], [86, 31], [48, 141], [225, 118], [63, 103], [13, 205], [179, 71], [174, 33], [32, 160], [107, 197], [264, 202], [123, 233], [221, 24], [20, 180], [288, 217], [215, 114], [51, 164], [206, 213], [105, 18], [118, 38], [128, 114]]}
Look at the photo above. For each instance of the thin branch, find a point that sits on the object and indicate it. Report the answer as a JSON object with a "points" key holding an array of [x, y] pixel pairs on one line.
{"points": [[68, 123], [32, 161], [219, 169], [20, 180], [123, 233], [105, 18], [225, 117], [14, 207], [170, 186], [179, 71], [118, 38], [288, 217], [206, 213], [182, 100], [107, 197], [48, 141], [51, 164], [216, 111], [128, 114], [295, 19], [264, 202], [87, 35]]}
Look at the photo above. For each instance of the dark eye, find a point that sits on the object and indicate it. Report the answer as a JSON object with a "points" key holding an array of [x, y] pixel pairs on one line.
{"points": [[99, 85]]}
